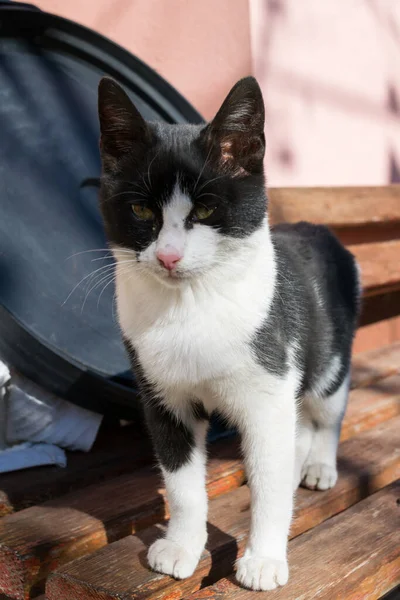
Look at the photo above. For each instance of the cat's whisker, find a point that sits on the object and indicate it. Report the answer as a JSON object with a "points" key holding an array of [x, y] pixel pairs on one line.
{"points": [[136, 184], [208, 181], [126, 250], [149, 168], [209, 194], [128, 182], [117, 249], [130, 193], [110, 257], [101, 293], [95, 275], [87, 251], [84, 279], [145, 184], [123, 257], [202, 170], [100, 273], [93, 287], [109, 278]]}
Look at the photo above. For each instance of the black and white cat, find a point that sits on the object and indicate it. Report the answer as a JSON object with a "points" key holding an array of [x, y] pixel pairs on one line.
{"points": [[219, 313]]}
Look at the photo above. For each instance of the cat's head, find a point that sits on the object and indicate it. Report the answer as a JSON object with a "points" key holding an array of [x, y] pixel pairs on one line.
{"points": [[182, 198]]}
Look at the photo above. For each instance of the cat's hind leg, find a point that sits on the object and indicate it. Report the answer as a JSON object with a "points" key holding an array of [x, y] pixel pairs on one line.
{"points": [[304, 437], [319, 471]]}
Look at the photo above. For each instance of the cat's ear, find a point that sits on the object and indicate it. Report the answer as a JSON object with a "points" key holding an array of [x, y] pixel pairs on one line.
{"points": [[123, 130], [235, 137]]}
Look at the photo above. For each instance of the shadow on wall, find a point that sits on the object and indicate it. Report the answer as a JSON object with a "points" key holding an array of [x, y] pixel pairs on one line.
{"points": [[393, 105], [394, 168], [315, 100]]}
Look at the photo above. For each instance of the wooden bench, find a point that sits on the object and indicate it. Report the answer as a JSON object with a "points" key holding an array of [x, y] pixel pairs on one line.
{"points": [[69, 530]]}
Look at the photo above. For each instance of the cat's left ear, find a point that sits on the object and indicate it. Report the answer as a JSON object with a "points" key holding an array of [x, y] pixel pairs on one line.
{"points": [[235, 137]]}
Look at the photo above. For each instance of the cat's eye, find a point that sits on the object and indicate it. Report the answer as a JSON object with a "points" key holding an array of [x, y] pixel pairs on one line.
{"points": [[142, 212], [203, 212]]}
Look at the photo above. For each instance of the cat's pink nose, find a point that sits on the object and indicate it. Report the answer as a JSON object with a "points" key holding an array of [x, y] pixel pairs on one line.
{"points": [[169, 257]]}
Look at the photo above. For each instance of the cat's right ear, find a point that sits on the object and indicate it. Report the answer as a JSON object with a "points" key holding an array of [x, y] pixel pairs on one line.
{"points": [[235, 137], [123, 131]]}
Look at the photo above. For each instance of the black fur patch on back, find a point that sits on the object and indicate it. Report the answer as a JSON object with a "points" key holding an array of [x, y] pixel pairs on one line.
{"points": [[315, 307]]}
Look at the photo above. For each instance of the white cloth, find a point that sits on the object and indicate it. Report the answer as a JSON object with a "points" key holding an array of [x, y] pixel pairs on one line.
{"points": [[30, 414]]}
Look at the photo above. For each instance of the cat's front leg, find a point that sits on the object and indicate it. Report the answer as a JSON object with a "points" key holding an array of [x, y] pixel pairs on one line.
{"points": [[267, 423], [180, 450]]}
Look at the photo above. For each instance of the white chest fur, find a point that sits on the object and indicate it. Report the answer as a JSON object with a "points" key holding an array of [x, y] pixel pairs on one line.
{"points": [[188, 336]]}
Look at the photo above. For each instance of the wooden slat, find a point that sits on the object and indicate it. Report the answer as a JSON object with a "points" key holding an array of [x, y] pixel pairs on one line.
{"points": [[370, 406], [350, 212], [88, 520], [371, 232], [369, 367], [336, 206], [380, 307], [380, 266], [352, 556], [367, 463]]}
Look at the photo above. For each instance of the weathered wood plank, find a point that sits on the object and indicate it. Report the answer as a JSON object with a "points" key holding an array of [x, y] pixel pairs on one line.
{"points": [[371, 232], [369, 367], [380, 266], [353, 555], [372, 405], [351, 212], [380, 307], [336, 206], [88, 519], [367, 463]]}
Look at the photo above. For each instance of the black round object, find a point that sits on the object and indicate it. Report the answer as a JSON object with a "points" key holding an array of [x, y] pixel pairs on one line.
{"points": [[56, 326]]}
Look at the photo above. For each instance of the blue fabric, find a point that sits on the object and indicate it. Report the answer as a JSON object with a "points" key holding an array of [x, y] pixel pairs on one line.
{"points": [[28, 455]]}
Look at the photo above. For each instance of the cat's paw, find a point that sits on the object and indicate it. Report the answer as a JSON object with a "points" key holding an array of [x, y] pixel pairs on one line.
{"points": [[168, 557], [259, 573], [318, 476]]}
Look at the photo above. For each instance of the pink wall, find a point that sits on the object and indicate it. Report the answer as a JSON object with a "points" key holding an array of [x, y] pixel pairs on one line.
{"points": [[330, 72], [202, 47]]}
